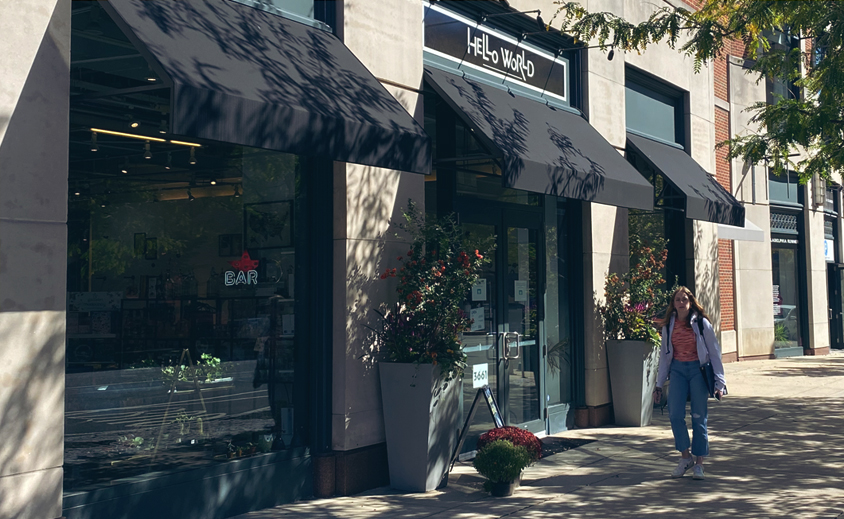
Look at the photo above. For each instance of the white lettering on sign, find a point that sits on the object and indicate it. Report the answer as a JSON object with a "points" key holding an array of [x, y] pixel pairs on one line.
{"points": [[513, 62], [240, 277], [480, 375], [479, 46]]}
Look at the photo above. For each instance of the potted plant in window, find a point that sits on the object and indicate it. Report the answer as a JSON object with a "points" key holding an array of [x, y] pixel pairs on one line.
{"points": [[420, 338], [632, 301]]}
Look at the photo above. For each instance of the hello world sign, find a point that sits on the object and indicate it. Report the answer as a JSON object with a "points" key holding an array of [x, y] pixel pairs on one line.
{"points": [[467, 44]]}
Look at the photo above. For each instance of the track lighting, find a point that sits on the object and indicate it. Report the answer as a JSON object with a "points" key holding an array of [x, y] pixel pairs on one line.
{"points": [[94, 146], [169, 161], [191, 198], [192, 159], [147, 153]]}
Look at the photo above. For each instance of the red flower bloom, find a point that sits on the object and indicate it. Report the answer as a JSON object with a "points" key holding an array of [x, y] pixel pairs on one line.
{"points": [[517, 437]]}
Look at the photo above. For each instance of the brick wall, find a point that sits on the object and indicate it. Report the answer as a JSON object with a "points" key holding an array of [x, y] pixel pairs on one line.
{"points": [[722, 87], [723, 173], [726, 287]]}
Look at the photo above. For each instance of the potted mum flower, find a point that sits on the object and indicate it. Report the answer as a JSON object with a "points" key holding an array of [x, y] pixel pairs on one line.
{"points": [[633, 301], [501, 462], [420, 335]]}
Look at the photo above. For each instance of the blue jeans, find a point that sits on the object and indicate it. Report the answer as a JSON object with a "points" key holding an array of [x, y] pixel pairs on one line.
{"points": [[687, 380]]}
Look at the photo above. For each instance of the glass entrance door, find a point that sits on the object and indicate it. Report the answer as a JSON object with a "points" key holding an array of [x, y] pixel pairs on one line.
{"points": [[503, 344]]}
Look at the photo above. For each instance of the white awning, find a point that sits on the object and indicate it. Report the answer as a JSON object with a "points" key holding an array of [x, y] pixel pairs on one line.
{"points": [[750, 232]]}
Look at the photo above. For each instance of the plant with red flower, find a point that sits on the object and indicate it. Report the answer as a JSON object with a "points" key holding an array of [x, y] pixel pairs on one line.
{"points": [[515, 436], [634, 299], [424, 326]]}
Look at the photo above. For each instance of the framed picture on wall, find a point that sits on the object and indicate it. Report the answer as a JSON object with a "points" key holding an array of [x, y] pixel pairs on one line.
{"points": [[151, 248], [229, 244], [269, 225]]}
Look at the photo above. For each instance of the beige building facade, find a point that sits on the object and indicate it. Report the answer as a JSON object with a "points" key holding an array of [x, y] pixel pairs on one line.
{"points": [[152, 161]]}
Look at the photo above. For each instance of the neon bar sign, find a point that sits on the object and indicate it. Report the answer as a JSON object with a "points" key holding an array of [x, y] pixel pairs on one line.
{"points": [[245, 274]]}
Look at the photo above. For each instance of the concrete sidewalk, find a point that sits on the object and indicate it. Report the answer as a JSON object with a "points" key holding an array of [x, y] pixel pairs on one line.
{"points": [[776, 445]]}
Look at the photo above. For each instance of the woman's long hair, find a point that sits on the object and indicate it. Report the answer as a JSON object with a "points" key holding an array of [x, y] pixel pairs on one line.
{"points": [[694, 307]]}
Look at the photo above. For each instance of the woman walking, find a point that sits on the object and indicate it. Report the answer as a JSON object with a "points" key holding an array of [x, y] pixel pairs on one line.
{"points": [[688, 342]]}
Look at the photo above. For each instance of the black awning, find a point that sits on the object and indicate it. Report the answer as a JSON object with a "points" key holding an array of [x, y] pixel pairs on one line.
{"points": [[706, 199], [544, 150], [245, 76]]}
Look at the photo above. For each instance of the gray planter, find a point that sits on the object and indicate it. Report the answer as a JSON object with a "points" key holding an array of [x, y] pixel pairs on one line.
{"points": [[421, 421], [633, 366]]}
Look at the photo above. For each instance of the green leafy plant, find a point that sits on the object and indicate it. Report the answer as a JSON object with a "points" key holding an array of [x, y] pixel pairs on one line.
{"points": [[635, 298], [515, 435], [207, 369], [780, 333], [501, 462], [434, 279]]}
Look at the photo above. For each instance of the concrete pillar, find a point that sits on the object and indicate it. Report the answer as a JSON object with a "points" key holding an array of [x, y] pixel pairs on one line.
{"points": [[386, 35], [34, 111], [753, 276], [816, 276]]}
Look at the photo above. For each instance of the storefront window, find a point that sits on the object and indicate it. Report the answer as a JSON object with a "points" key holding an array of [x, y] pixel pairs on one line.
{"points": [[786, 297], [182, 267], [559, 313]]}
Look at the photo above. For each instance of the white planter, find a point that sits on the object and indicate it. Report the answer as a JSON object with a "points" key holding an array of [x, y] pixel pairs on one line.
{"points": [[633, 368], [421, 422]]}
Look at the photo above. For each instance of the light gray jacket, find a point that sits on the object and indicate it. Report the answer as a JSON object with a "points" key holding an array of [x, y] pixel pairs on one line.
{"points": [[708, 350]]}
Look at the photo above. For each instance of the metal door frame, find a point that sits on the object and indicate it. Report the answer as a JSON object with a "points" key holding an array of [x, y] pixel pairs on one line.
{"points": [[502, 216]]}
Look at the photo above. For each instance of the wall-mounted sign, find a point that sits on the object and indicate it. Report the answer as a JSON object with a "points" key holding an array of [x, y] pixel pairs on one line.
{"points": [[245, 273], [829, 250], [788, 241], [470, 45]]}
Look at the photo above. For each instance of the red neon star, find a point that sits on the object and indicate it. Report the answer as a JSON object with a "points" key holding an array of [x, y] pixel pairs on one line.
{"points": [[245, 263]]}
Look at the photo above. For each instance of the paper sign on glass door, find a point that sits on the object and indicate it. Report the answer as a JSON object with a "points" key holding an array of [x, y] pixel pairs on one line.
{"points": [[480, 375], [479, 290], [477, 316], [521, 292]]}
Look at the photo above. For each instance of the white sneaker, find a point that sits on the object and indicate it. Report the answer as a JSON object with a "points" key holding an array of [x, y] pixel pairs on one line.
{"points": [[684, 465], [697, 473]]}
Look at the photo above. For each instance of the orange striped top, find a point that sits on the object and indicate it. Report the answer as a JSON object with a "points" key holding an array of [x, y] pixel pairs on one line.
{"points": [[683, 340]]}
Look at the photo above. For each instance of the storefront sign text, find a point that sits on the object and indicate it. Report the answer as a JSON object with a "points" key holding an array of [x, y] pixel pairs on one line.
{"points": [[467, 44], [245, 273]]}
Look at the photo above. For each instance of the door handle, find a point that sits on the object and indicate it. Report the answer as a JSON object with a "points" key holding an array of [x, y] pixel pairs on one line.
{"points": [[508, 339]]}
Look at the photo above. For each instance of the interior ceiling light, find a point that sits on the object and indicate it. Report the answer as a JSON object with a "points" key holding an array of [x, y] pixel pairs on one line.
{"points": [[129, 135], [125, 167], [213, 181], [169, 161], [94, 146], [236, 192], [162, 128], [192, 159], [77, 193], [150, 76], [145, 137], [147, 153], [183, 143], [191, 198], [134, 124]]}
